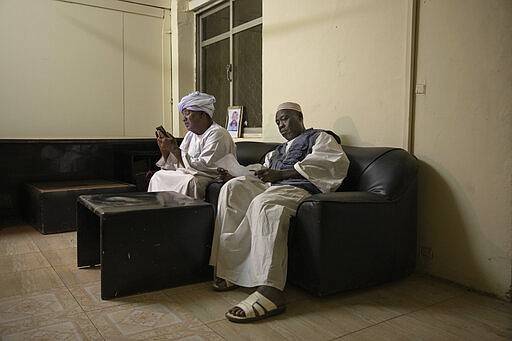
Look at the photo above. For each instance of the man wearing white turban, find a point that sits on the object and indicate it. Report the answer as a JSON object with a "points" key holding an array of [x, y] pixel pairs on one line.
{"points": [[251, 229], [189, 168]]}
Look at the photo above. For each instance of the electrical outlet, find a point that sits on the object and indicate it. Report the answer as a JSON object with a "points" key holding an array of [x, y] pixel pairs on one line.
{"points": [[426, 252], [420, 89]]}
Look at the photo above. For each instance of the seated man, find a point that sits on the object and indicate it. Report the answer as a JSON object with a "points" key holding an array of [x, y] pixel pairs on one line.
{"points": [[251, 229], [189, 168]]}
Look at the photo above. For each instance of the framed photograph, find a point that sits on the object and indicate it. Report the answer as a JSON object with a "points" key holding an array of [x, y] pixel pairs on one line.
{"points": [[234, 121]]}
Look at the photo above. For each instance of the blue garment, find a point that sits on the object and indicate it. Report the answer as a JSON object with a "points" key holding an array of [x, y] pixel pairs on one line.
{"points": [[300, 148]]}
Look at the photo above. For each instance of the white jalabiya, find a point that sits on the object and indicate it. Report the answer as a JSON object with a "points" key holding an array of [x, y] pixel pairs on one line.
{"points": [[251, 229], [199, 153]]}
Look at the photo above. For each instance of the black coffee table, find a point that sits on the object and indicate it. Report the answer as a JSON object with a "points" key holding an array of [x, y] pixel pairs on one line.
{"points": [[144, 241]]}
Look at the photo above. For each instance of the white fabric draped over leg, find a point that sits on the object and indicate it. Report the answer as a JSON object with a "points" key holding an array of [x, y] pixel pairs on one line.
{"points": [[174, 180], [250, 245]]}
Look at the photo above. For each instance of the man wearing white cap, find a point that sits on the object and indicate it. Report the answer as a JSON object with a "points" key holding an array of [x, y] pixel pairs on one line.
{"points": [[189, 168], [251, 229]]}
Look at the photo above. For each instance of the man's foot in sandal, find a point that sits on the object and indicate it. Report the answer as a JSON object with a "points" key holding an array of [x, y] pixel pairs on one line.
{"points": [[258, 306], [221, 284]]}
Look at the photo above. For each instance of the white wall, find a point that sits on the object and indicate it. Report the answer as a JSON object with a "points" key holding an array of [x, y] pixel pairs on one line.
{"points": [[343, 61], [183, 59], [463, 138], [75, 71]]}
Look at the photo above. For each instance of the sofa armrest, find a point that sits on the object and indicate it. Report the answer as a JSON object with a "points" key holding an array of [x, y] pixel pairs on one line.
{"points": [[346, 197], [345, 240]]}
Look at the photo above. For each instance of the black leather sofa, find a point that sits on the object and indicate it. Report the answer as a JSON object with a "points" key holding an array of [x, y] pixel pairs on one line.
{"points": [[363, 234]]}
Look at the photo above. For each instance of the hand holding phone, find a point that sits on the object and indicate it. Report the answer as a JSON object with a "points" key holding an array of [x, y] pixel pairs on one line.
{"points": [[161, 132]]}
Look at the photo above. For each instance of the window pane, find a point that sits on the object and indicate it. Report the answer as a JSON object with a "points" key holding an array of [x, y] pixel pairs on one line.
{"points": [[245, 10], [215, 23], [215, 82], [247, 74]]}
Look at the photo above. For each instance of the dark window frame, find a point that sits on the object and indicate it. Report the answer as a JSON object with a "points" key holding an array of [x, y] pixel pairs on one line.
{"points": [[219, 37]]}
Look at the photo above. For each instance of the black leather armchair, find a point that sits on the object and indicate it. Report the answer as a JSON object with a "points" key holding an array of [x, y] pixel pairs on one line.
{"points": [[361, 235]]}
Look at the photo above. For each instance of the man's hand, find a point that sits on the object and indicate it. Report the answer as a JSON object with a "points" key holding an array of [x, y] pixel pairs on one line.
{"points": [[167, 144], [224, 174], [149, 174], [273, 175]]}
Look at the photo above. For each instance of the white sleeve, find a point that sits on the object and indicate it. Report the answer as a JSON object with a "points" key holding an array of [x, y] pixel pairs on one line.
{"points": [[212, 148], [268, 156], [326, 166]]}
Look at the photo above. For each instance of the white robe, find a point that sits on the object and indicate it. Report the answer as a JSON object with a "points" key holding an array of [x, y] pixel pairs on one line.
{"points": [[199, 154], [251, 229]]}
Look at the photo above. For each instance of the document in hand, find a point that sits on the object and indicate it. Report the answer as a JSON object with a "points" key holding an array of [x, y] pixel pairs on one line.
{"points": [[230, 163]]}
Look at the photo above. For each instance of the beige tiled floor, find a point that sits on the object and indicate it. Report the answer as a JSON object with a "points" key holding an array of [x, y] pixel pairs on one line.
{"points": [[43, 296]]}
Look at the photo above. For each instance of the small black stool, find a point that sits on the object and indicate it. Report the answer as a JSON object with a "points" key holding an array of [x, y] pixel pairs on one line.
{"points": [[51, 206], [144, 241]]}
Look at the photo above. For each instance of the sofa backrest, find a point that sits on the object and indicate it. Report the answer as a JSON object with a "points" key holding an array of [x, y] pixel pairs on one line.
{"points": [[249, 152], [381, 170]]}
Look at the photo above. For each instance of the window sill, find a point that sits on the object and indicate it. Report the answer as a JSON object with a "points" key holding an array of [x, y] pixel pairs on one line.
{"points": [[250, 134]]}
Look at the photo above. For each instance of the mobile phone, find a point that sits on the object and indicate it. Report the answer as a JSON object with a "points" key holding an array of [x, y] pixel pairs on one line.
{"points": [[163, 131]]}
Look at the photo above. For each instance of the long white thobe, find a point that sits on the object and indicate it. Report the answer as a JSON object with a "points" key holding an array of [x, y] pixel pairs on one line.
{"points": [[199, 154], [251, 229]]}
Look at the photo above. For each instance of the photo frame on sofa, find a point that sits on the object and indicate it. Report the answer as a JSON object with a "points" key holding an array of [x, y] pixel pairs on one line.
{"points": [[234, 120]]}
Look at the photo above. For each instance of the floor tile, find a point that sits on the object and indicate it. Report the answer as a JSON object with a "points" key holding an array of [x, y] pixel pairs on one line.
{"points": [[460, 318], [16, 226], [156, 317], [14, 242], [334, 316], [72, 275], [22, 262], [294, 324], [411, 293], [306, 319], [89, 297], [402, 328], [43, 295], [470, 316], [485, 302], [207, 304], [55, 241], [30, 230], [71, 327], [60, 257], [54, 302], [24, 282], [189, 287]]}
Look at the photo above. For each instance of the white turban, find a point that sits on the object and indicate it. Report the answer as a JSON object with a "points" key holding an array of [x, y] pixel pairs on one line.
{"points": [[197, 101], [289, 105]]}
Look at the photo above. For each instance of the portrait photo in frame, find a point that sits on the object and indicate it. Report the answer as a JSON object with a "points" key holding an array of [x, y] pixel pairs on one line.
{"points": [[234, 120]]}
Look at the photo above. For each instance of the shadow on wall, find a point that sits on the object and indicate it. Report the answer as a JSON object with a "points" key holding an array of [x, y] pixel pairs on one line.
{"points": [[347, 130], [447, 242]]}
